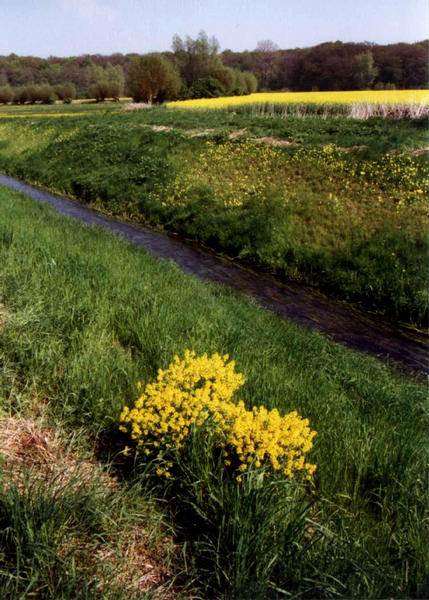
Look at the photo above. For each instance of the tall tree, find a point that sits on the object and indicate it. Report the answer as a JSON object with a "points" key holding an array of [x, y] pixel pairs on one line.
{"points": [[152, 78], [267, 59], [196, 58], [365, 71]]}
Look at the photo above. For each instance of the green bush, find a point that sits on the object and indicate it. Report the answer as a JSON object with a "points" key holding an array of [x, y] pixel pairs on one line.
{"points": [[206, 87], [6, 94], [66, 92]]}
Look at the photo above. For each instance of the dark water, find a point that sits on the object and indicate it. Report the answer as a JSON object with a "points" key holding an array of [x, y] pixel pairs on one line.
{"points": [[337, 320]]}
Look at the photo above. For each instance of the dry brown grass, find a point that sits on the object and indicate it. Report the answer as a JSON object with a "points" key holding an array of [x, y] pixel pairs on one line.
{"points": [[27, 444], [364, 110], [4, 315], [32, 450]]}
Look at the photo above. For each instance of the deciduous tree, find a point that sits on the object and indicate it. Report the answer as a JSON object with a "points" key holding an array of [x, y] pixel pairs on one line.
{"points": [[152, 78], [365, 71]]}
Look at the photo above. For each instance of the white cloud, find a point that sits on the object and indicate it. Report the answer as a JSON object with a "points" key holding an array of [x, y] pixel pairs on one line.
{"points": [[90, 10]]}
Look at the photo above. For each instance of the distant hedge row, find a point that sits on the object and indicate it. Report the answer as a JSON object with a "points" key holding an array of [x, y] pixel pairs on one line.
{"points": [[45, 93]]}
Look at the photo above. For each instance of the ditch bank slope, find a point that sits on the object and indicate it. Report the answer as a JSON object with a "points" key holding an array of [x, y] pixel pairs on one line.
{"points": [[341, 321]]}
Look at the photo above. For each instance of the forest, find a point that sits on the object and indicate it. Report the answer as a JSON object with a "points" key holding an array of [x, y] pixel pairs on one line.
{"points": [[327, 66]]}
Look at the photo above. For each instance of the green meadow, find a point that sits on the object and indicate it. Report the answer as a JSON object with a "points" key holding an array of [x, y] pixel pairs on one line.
{"points": [[334, 202], [84, 317]]}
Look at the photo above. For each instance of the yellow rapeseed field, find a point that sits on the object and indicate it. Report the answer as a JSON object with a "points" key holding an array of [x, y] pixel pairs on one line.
{"points": [[42, 114], [354, 97]]}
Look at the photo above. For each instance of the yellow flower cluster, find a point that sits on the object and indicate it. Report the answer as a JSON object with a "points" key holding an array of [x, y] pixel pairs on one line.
{"points": [[398, 176], [42, 114], [232, 173], [346, 97], [195, 393]]}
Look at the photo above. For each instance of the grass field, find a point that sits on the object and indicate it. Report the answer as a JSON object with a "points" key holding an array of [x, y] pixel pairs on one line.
{"points": [[337, 203], [84, 318], [76, 108]]}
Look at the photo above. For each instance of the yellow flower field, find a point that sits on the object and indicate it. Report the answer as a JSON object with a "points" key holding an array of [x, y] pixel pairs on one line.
{"points": [[390, 97], [41, 114]]}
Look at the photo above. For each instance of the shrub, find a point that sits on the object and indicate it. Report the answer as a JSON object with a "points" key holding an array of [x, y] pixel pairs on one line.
{"points": [[99, 90], [6, 94], [45, 93], [225, 76], [250, 81], [20, 95], [240, 86], [37, 93], [206, 87], [66, 92]]}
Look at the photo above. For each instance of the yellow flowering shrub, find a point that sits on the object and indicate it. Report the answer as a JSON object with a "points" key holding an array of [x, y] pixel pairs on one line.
{"points": [[196, 393]]}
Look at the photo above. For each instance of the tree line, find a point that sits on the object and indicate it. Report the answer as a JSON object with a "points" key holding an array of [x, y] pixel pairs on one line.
{"points": [[335, 66], [196, 68]]}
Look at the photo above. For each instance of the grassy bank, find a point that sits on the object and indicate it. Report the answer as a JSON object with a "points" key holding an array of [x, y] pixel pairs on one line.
{"points": [[89, 317], [351, 221]]}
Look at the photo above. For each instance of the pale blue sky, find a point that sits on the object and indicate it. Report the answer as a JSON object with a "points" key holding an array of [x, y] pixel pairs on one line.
{"points": [[72, 27]]}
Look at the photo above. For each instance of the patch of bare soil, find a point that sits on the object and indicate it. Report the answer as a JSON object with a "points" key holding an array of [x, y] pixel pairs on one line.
{"points": [[273, 141], [420, 151], [160, 128], [31, 449], [136, 106], [199, 132], [237, 133], [352, 148]]}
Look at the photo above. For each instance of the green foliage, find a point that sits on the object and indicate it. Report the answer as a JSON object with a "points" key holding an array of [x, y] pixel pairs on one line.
{"points": [[208, 87], [6, 94], [242, 539], [203, 71], [306, 214], [66, 92], [365, 71], [329, 65], [197, 59], [99, 90], [36, 522], [54, 530], [153, 79], [20, 95], [35, 93], [92, 315], [250, 82], [105, 83]]}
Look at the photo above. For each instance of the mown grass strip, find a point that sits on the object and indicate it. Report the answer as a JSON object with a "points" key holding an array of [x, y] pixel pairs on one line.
{"points": [[91, 316]]}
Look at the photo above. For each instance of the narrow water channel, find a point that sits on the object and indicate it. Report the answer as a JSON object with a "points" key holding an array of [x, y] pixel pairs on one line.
{"points": [[340, 321]]}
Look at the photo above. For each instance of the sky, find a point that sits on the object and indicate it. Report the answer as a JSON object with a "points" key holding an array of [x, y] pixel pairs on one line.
{"points": [[72, 27]]}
